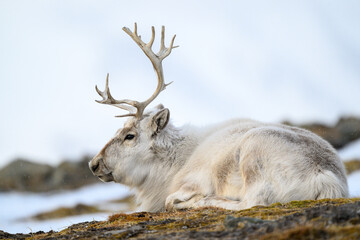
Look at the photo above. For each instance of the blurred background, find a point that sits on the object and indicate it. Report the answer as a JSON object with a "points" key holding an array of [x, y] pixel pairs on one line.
{"points": [[274, 61]]}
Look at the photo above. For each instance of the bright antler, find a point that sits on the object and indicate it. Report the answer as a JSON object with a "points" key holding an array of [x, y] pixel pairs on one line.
{"points": [[156, 60]]}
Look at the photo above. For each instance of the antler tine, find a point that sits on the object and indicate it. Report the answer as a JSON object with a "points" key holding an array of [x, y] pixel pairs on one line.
{"points": [[126, 115], [164, 52], [135, 36], [152, 37], [108, 99], [162, 42], [135, 29], [168, 50]]}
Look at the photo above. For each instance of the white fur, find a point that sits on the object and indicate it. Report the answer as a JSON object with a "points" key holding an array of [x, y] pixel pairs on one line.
{"points": [[234, 165]]}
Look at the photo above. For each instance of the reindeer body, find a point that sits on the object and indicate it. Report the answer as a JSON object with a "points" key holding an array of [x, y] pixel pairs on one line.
{"points": [[234, 165], [239, 164]]}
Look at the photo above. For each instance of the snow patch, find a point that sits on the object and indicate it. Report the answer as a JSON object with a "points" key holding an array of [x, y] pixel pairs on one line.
{"points": [[24, 205], [351, 151]]}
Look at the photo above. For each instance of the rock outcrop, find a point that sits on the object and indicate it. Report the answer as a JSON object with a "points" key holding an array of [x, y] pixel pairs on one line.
{"points": [[23, 175], [346, 130]]}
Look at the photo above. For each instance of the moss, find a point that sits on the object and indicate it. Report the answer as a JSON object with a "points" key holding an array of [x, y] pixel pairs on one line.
{"points": [[211, 219], [352, 166], [326, 218], [314, 232], [66, 212]]}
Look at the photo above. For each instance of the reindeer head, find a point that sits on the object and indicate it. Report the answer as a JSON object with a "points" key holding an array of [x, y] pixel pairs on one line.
{"points": [[127, 156]]}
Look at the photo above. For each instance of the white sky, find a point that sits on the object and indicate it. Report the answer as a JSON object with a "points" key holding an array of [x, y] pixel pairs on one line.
{"points": [[266, 60]]}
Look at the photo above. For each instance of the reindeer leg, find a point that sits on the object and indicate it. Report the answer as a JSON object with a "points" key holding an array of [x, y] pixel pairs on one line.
{"points": [[183, 198], [220, 202], [187, 197]]}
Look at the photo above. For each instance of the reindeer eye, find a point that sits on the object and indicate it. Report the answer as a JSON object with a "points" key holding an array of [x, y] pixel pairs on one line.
{"points": [[129, 137]]}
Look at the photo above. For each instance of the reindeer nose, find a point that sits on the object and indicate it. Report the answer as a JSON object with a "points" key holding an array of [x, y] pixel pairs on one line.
{"points": [[94, 164], [95, 167]]}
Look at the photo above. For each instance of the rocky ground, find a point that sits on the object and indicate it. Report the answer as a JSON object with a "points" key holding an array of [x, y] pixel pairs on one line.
{"points": [[321, 219]]}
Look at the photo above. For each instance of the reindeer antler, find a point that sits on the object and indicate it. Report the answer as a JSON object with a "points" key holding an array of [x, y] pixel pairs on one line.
{"points": [[156, 60]]}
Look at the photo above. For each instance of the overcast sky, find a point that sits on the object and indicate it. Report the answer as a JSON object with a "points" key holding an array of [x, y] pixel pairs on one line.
{"points": [[266, 60]]}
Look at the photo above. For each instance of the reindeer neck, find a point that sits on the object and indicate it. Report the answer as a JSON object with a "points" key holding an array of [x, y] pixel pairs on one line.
{"points": [[172, 149]]}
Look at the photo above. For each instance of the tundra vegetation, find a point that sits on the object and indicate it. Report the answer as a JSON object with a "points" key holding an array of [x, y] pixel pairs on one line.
{"points": [[307, 219]]}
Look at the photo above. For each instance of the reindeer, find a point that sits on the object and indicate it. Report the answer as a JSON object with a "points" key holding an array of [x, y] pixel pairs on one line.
{"points": [[233, 165]]}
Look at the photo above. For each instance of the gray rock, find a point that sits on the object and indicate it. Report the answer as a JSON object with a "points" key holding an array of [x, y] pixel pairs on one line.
{"points": [[23, 175], [346, 130]]}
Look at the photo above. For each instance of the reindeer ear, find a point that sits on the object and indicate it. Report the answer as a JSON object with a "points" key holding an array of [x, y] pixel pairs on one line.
{"points": [[160, 120]]}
